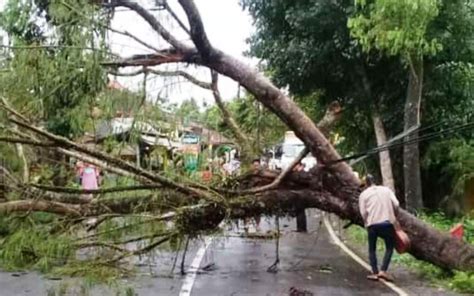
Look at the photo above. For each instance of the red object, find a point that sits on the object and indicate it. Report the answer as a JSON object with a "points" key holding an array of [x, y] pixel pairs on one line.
{"points": [[402, 241], [206, 176], [457, 231]]}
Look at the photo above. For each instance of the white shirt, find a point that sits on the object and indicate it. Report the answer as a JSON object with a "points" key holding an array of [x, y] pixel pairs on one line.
{"points": [[377, 204]]}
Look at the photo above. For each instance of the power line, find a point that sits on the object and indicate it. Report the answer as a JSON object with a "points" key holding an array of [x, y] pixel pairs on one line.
{"points": [[419, 139]]}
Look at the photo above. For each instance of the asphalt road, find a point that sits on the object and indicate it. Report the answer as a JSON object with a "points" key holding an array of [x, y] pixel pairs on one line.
{"points": [[232, 265], [308, 262]]}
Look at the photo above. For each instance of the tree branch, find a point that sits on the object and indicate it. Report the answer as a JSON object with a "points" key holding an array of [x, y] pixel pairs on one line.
{"points": [[226, 115], [103, 165], [101, 244], [95, 191], [128, 34], [143, 250], [183, 74], [153, 22], [176, 18], [63, 142], [40, 206], [198, 33], [164, 56], [26, 142]]}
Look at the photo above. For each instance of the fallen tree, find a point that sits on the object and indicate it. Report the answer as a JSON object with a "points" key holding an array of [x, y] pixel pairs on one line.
{"points": [[428, 244], [331, 187]]}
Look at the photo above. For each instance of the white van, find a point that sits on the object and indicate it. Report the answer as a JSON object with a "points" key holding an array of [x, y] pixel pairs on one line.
{"points": [[292, 147]]}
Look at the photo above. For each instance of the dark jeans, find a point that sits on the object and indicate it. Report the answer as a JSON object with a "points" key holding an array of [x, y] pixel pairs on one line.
{"points": [[386, 231]]}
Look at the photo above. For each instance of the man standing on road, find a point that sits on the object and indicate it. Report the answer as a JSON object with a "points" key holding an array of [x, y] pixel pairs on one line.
{"points": [[377, 205]]}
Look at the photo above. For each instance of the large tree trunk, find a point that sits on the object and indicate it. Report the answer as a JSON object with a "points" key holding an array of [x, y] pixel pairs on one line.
{"points": [[315, 190], [411, 154], [384, 156]]}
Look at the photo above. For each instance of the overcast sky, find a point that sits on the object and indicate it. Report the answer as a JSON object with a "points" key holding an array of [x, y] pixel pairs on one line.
{"points": [[227, 27]]}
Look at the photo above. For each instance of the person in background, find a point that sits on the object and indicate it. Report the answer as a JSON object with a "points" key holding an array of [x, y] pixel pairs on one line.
{"points": [[256, 166], [299, 167], [232, 168], [235, 165], [206, 175], [90, 177], [79, 168], [378, 205], [301, 222]]}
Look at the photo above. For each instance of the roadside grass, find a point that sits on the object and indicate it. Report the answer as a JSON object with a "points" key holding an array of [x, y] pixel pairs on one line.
{"points": [[458, 281]]}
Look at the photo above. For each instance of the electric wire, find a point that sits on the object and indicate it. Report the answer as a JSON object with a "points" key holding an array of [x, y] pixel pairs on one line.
{"points": [[419, 139]]}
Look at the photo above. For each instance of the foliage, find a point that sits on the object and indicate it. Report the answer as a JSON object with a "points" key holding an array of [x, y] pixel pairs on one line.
{"points": [[453, 160], [188, 111], [30, 245], [55, 77], [22, 22], [113, 102], [91, 271], [449, 102], [263, 128], [307, 45], [396, 27], [9, 158]]}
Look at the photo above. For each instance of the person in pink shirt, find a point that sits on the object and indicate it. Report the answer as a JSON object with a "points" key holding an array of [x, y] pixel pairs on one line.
{"points": [[90, 177]]}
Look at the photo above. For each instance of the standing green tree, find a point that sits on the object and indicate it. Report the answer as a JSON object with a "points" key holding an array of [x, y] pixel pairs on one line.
{"points": [[399, 28], [307, 46]]}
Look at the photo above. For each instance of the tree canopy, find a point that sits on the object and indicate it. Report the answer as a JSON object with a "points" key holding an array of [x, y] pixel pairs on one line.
{"points": [[357, 52]]}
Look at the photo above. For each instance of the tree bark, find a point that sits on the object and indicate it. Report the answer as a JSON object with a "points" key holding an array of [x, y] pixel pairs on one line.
{"points": [[380, 135], [411, 154], [384, 156]]}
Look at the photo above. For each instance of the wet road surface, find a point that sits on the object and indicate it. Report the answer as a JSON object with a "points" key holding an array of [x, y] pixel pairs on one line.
{"points": [[308, 261], [236, 266]]}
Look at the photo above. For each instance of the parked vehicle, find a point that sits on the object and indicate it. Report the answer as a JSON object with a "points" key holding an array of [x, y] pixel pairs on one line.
{"points": [[292, 147]]}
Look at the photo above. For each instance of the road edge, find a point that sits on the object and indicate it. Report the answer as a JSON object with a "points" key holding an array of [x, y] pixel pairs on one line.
{"points": [[337, 241]]}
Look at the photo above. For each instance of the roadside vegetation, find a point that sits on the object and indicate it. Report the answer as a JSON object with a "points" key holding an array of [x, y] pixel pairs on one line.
{"points": [[458, 281]]}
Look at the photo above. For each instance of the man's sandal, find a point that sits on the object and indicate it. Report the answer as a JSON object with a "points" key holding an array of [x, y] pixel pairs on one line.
{"points": [[373, 277], [385, 276]]}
